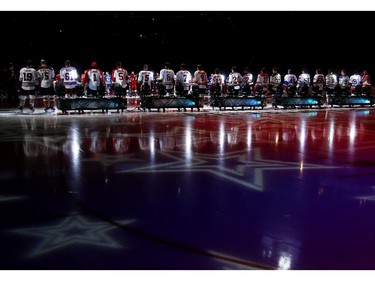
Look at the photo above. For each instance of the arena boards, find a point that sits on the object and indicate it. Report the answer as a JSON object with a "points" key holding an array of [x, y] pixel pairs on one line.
{"points": [[181, 103]]}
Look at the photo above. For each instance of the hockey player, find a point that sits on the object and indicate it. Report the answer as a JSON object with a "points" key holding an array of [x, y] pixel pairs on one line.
{"points": [[355, 83], [94, 81], [275, 82], [344, 83], [29, 78], [247, 82], [217, 86], [234, 82], [47, 76], [318, 83], [146, 80], [331, 83], [262, 82], [200, 79], [167, 80], [303, 83], [10, 85], [290, 83], [108, 82], [366, 83], [69, 77], [133, 87], [119, 79], [183, 80]]}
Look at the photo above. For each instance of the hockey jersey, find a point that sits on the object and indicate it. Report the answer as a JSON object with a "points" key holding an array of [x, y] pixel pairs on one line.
{"points": [[69, 76], [47, 75], [183, 77], [145, 77], [29, 78], [319, 81], [120, 76], [167, 77], [93, 78], [200, 77]]}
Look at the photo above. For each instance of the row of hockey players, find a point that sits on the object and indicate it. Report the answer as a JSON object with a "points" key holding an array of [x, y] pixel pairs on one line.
{"points": [[67, 82], [93, 83], [183, 83], [322, 85]]}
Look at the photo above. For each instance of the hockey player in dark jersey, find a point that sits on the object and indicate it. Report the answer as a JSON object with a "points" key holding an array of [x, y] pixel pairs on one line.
{"points": [[10, 85]]}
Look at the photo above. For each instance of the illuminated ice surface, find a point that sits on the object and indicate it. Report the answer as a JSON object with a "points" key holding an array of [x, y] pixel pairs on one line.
{"points": [[256, 189]]}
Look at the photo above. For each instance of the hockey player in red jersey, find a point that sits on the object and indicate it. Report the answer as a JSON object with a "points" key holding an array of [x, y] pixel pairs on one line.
{"points": [[133, 87], [366, 83], [200, 78], [94, 81], [262, 82]]}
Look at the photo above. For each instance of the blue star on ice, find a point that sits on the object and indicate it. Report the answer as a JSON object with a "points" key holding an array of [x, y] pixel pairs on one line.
{"points": [[247, 173], [72, 230]]}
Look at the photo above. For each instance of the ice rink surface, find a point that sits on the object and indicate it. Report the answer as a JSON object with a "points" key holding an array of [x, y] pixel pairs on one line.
{"points": [[236, 189]]}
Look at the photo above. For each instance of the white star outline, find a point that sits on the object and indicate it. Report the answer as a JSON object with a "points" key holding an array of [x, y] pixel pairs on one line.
{"points": [[57, 236], [201, 163]]}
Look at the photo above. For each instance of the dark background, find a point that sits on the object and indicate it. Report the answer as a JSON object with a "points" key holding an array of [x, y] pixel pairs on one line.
{"points": [[296, 39]]}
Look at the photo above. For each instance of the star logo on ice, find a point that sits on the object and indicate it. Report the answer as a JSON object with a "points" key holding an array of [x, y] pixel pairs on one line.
{"points": [[70, 231], [109, 160], [245, 172]]}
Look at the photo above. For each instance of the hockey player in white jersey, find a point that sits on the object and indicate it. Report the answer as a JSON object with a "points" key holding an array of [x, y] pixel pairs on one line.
{"points": [[146, 80], [217, 85], [275, 82], [183, 81], [331, 82], [47, 76], [318, 83], [247, 82], [344, 88], [234, 82], [167, 80], [355, 83], [119, 79], [69, 77], [303, 83], [290, 83], [29, 78]]}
